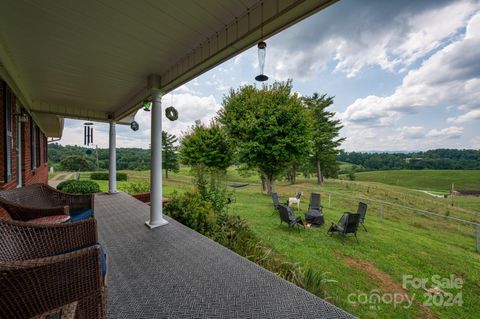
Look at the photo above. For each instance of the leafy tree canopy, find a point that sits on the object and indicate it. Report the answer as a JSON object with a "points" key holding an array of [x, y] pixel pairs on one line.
{"points": [[206, 146], [270, 126], [326, 130], [76, 163]]}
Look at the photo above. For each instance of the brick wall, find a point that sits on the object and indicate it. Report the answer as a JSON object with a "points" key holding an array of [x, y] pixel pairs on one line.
{"points": [[29, 176]]}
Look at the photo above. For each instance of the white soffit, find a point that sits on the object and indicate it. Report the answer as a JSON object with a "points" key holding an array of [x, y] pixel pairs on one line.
{"points": [[90, 59]]}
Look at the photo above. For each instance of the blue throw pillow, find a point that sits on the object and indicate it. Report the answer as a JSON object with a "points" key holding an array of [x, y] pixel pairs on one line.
{"points": [[81, 214]]}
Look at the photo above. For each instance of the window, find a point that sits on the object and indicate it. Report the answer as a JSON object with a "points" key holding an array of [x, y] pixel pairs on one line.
{"points": [[8, 101], [33, 144], [45, 149], [37, 148]]}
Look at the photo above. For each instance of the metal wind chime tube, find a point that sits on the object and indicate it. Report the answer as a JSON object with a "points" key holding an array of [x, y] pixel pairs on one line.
{"points": [[88, 133]]}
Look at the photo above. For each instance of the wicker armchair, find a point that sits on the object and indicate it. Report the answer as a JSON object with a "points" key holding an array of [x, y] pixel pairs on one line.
{"points": [[24, 240], [46, 267], [40, 200]]}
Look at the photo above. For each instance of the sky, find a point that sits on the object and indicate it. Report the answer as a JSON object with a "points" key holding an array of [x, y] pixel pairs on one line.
{"points": [[405, 76]]}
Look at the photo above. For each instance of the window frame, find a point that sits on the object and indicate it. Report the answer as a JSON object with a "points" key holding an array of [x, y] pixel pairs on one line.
{"points": [[33, 145], [8, 147]]}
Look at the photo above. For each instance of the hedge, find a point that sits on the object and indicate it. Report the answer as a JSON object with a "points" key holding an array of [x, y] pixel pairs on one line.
{"points": [[78, 187], [103, 176]]}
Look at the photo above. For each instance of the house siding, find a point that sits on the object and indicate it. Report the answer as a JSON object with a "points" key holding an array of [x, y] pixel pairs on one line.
{"points": [[29, 175]]}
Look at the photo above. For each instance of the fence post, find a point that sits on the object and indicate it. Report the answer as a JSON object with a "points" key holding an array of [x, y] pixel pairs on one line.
{"points": [[329, 203], [381, 213], [476, 238]]}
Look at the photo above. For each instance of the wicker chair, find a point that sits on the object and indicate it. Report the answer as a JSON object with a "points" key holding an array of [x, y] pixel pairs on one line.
{"points": [[44, 268], [40, 200]]}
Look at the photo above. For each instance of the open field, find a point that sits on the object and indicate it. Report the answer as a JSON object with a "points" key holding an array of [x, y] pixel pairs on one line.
{"points": [[431, 180], [403, 243]]}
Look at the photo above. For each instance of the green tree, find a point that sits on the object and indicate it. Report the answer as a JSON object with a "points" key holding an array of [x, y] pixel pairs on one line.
{"points": [[169, 153], [325, 135], [209, 151], [76, 163], [206, 147], [270, 126]]}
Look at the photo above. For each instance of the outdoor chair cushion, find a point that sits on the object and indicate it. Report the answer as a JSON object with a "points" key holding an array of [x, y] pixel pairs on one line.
{"points": [[81, 214], [103, 258], [54, 219]]}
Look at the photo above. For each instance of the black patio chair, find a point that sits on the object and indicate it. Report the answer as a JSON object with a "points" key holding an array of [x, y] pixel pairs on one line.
{"points": [[315, 202], [348, 224], [275, 200], [362, 211], [287, 216]]}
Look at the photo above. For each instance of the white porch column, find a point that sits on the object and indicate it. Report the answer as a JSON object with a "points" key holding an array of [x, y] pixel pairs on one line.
{"points": [[112, 168], [156, 194]]}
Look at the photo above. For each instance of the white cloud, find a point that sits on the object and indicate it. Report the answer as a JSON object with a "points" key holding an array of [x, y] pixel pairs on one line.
{"points": [[392, 36], [464, 118], [412, 132], [446, 78], [449, 132]]}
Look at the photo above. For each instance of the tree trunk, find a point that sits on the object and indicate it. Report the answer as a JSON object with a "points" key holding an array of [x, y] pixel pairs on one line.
{"points": [[166, 172], [269, 185], [319, 173], [294, 174], [264, 184]]}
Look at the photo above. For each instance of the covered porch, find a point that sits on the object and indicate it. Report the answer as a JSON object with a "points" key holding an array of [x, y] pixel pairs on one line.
{"points": [[100, 61], [179, 273]]}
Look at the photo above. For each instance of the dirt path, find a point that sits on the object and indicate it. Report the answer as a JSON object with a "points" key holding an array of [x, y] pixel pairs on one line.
{"points": [[60, 178], [385, 282]]}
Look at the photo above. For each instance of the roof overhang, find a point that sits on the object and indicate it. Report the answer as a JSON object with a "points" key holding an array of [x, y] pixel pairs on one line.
{"points": [[91, 59]]}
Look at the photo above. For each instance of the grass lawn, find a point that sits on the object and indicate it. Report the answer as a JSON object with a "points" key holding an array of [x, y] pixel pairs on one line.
{"points": [[403, 243]]}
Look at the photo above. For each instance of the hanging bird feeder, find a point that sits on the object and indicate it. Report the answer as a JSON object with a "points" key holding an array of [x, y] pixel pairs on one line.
{"points": [[262, 48], [147, 105]]}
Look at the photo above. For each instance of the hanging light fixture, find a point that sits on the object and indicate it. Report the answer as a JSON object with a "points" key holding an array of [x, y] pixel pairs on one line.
{"points": [[262, 48]]}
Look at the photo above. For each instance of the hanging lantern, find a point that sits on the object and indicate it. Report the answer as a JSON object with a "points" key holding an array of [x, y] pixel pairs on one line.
{"points": [[262, 48], [87, 133], [147, 105], [134, 126]]}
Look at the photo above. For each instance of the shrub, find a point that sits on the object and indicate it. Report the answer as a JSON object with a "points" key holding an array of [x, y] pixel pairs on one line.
{"points": [[234, 233], [135, 188], [315, 282], [103, 176], [190, 210], [212, 188], [79, 187]]}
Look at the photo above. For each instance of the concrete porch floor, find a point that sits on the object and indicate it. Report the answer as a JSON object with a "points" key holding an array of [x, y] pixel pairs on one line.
{"points": [[175, 272]]}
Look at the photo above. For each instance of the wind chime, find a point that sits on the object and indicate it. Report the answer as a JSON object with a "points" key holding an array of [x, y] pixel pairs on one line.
{"points": [[87, 133]]}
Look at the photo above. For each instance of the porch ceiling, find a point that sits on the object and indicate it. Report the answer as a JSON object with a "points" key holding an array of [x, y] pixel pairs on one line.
{"points": [[90, 59]]}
